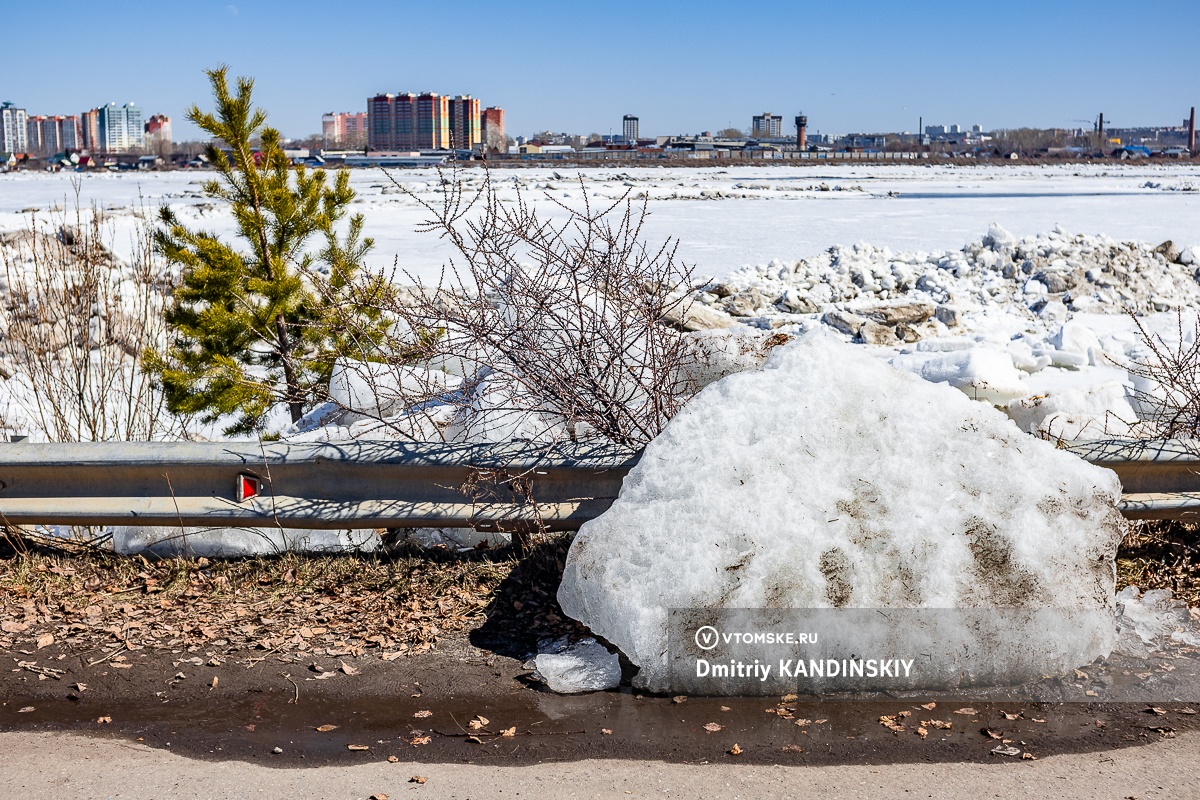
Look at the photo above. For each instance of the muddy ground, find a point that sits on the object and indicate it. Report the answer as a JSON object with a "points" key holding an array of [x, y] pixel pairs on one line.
{"points": [[462, 703]]}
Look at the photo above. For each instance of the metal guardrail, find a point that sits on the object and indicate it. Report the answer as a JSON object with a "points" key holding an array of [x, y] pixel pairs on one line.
{"points": [[1160, 478], [328, 485], [400, 485]]}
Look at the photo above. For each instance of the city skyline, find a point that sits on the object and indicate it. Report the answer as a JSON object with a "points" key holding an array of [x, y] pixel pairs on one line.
{"points": [[884, 71]]}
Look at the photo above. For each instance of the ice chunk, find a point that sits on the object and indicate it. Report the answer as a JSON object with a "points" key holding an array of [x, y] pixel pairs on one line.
{"points": [[585, 666], [827, 478], [980, 372], [1070, 414], [371, 389]]}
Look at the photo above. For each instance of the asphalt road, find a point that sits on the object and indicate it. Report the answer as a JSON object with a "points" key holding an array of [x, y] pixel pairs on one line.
{"points": [[67, 765]]}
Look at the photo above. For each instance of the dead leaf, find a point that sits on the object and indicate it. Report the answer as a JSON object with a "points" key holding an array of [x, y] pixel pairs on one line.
{"points": [[1156, 711], [1007, 715], [45, 640], [392, 759], [104, 720], [1188, 711], [1029, 756], [325, 728], [904, 714], [735, 750], [1005, 750], [417, 779], [378, 796], [929, 706], [991, 734], [789, 698], [358, 747], [942, 725], [679, 698], [967, 712], [508, 733], [478, 723], [606, 731], [80, 687], [11, 626], [922, 732], [713, 727], [791, 748], [214, 682], [474, 740], [323, 676], [423, 714], [417, 741], [726, 708], [803, 722], [25, 710], [349, 670], [821, 721]]}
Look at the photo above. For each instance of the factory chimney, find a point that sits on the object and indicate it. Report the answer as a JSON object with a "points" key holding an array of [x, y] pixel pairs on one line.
{"points": [[1192, 132], [1100, 128], [801, 133]]}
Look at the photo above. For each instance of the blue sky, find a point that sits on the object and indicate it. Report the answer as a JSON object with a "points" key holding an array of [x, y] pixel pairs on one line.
{"points": [[578, 67]]}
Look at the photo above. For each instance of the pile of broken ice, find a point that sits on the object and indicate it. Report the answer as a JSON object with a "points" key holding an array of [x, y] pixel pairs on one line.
{"points": [[827, 479]]}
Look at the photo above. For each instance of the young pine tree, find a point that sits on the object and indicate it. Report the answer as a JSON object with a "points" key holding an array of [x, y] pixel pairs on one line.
{"points": [[260, 321]]}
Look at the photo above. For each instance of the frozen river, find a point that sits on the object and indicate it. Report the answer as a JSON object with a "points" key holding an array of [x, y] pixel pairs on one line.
{"points": [[723, 217]]}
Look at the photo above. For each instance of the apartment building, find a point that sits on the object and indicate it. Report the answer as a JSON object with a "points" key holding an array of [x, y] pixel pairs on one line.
{"points": [[47, 135], [344, 130], [13, 133], [120, 128], [464, 122]]}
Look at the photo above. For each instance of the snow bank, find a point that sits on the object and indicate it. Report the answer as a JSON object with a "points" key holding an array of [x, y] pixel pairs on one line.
{"points": [[827, 479]]}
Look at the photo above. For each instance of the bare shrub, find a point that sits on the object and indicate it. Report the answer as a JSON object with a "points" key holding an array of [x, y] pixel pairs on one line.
{"points": [[554, 327], [76, 322], [1167, 382]]}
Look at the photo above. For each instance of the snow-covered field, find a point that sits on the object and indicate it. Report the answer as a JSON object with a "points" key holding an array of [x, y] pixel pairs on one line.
{"points": [[1028, 269]]}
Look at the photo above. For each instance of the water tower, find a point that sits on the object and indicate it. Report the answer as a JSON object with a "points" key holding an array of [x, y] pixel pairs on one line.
{"points": [[801, 133]]}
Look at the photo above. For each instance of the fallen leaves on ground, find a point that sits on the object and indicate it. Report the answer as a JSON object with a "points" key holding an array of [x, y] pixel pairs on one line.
{"points": [[358, 747], [418, 779], [341, 607], [423, 714], [478, 723], [325, 728], [966, 712], [735, 750], [714, 727], [104, 720], [508, 733], [417, 741]]}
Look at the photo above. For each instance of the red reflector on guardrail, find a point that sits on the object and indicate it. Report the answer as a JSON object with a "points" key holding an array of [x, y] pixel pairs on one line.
{"points": [[247, 487]]}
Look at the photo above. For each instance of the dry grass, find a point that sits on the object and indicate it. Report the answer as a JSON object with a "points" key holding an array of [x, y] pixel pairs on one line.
{"points": [[304, 606], [1162, 555]]}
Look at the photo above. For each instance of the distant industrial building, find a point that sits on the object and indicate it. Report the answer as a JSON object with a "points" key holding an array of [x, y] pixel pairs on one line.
{"points": [[629, 128], [13, 134], [344, 130], [120, 128], [766, 126]]}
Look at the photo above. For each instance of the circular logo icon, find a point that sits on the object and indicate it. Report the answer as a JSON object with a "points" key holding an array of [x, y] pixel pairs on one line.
{"points": [[707, 637]]}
